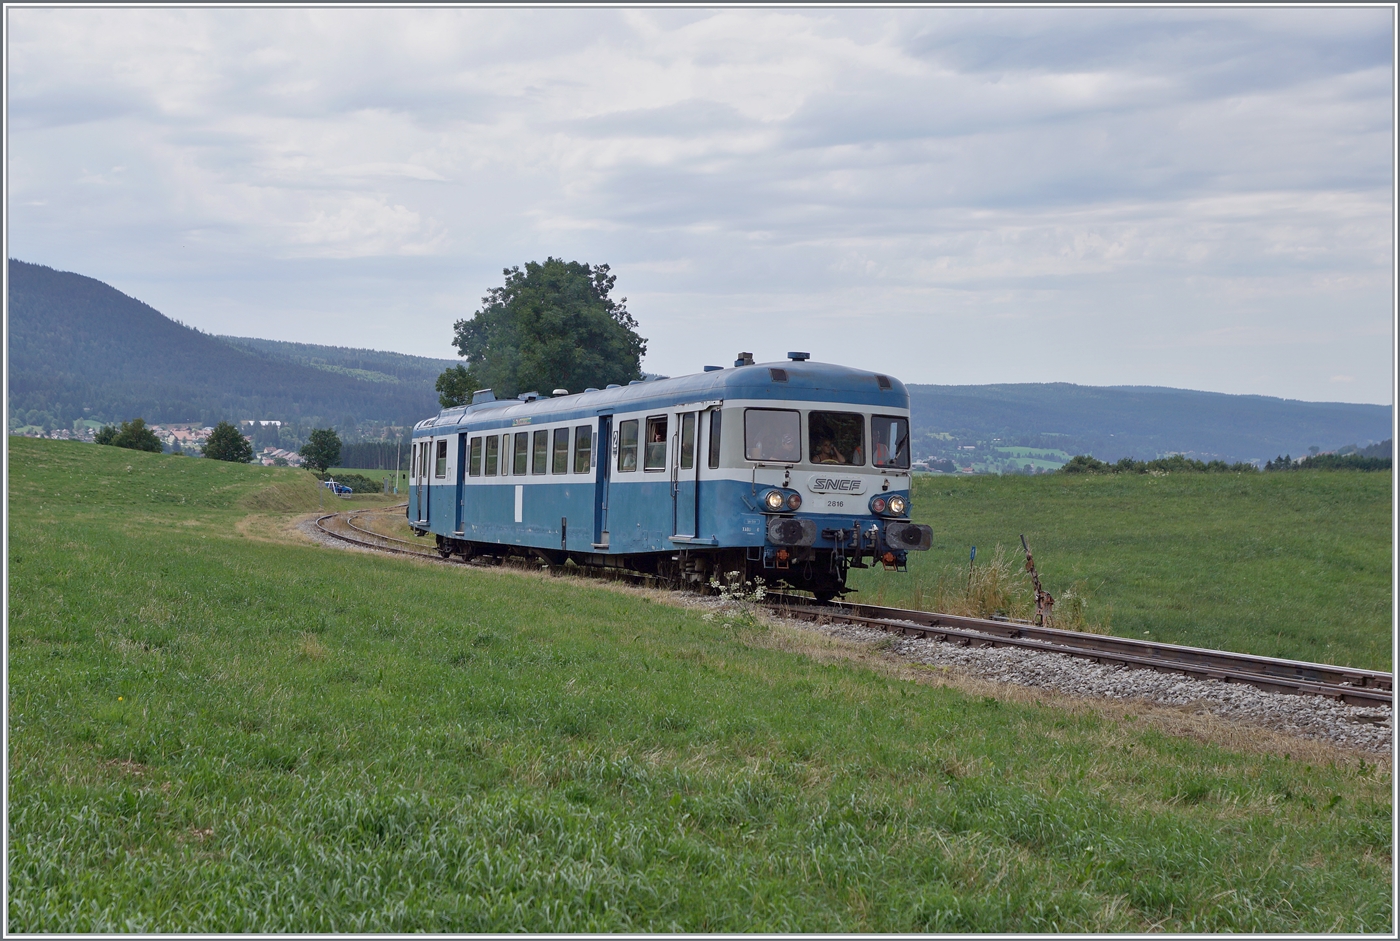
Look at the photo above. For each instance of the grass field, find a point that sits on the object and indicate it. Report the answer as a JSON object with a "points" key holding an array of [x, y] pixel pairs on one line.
{"points": [[215, 727], [1293, 565]]}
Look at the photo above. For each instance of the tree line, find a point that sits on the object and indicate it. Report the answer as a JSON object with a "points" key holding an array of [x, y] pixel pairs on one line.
{"points": [[1178, 464]]}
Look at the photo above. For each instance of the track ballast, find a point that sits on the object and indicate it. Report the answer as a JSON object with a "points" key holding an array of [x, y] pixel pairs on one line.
{"points": [[1346, 684]]}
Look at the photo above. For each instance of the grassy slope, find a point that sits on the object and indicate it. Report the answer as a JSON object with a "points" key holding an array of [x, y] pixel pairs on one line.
{"points": [[1290, 565], [213, 731]]}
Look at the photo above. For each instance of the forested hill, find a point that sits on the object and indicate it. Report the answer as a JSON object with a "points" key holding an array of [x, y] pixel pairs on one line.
{"points": [[80, 349], [1138, 421]]}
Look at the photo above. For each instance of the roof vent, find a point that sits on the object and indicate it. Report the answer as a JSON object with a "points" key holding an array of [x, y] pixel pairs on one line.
{"points": [[528, 396], [613, 385], [799, 357], [635, 382], [745, 359], [884, 382], [591, 389], [713, 368], [560, 392], [779, 375], [483, 395]]}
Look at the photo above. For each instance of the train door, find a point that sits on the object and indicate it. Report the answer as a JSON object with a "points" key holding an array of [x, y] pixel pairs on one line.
{"points": [[415, 490], [602, 455], [461, 476], [684, 476], [425, 453]]}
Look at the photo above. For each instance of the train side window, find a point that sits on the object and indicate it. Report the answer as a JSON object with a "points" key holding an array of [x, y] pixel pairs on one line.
{"points": [[836, 438], [656, 443], [522, 451], [772, 434], [687, 441], [540, 458], [413, 462], [474, 462], [889, 435], [440, 466], [714, 438], [492, 455], [627, 446], [561, 451], [583, 449]]}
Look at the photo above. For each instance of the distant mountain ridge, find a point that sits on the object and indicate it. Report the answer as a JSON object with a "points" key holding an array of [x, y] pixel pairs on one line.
{"points": [[80, 349], [1141, 422]]}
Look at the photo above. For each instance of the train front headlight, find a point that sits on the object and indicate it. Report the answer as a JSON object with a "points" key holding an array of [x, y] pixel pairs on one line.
{"points": [[774, 500], [897, 505]]}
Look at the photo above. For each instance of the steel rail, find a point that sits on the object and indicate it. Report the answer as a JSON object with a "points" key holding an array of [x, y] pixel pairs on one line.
{"points": [[1348, 684]]}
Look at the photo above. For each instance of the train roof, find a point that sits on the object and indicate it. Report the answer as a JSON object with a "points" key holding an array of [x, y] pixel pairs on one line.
{"points": [[805, 381]]}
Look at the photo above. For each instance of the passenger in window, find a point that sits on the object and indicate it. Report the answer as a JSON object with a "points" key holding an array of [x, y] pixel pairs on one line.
{"points": [[836, 438]]}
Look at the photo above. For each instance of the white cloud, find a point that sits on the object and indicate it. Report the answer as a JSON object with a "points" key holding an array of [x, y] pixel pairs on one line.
{"points": [[1115, 183]]}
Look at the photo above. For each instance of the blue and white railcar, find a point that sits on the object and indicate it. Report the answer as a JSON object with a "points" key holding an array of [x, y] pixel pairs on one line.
{"points": [[795, 471]]}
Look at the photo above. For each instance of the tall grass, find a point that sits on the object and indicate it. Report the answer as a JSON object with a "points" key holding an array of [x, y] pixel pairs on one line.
{"points": [[1000, 586]]}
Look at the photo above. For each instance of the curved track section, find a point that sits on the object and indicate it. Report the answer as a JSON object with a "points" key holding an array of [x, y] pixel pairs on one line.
{"points": [[1348, 684], [1351, 685]]}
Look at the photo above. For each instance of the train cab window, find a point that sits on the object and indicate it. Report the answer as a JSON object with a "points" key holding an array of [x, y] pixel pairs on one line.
{"points": [[440, 465], [583, 449], [627, 446], [687, 441], [837, 438], [772, 434], [492, 455], [522, 451], [889, 436], [714, 438], [540, 458], [474, 462], [656, 443], [561, 451]]}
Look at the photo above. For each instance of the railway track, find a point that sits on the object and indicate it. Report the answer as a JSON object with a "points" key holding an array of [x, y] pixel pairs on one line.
{"points": [[1351, 685], [1348, 684]]}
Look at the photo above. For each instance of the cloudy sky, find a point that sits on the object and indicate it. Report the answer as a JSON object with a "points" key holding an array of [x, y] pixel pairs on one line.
{"points": [[1199, 198]]}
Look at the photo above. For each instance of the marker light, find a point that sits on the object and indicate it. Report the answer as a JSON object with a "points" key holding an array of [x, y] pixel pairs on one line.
{"points": [[795, 501], [774, 499], [878, 505]]}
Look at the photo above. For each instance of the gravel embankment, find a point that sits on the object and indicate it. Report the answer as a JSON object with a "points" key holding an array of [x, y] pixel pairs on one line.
{"points": [[1368, 728]]}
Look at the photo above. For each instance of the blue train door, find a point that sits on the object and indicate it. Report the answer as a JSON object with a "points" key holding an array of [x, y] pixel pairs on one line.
{"points": [[418, 482], [602, 453], [684, 474], [461, 481]]}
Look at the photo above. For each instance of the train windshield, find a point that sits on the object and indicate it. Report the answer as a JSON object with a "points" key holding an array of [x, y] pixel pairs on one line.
{"points": [[837, 438], [891, 438], [772, 434]]}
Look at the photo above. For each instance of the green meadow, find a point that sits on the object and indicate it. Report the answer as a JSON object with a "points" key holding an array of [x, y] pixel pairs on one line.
{"points": [[216, 727], [1294, 565]]}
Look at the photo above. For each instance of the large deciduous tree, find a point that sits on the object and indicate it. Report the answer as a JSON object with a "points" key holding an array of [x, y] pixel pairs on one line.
{"points": [[552, 325], [226, 443], [322, 450], [455, 386]]}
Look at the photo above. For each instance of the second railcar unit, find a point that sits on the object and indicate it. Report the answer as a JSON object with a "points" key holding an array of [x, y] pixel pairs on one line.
{"points": [[794, 471]]}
